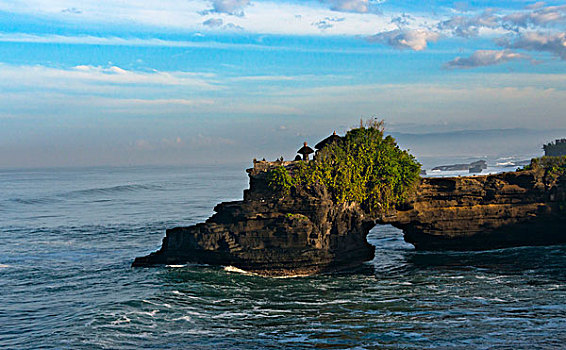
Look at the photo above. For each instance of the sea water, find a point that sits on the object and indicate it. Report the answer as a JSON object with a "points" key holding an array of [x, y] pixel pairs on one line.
{"points": [[69, 236]]}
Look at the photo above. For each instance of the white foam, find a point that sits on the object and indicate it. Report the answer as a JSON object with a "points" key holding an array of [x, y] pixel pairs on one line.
{"points": [[293, 276], [124, 319], [237, 270], [183, 318], [4, 266], [151, 313], [175, 266], [244, 272]]}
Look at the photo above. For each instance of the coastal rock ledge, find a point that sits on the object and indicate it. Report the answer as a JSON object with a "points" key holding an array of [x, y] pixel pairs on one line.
{"points": [[305, 232]]}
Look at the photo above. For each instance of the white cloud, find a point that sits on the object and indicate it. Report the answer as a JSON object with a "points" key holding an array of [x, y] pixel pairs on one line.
{"points": [[539, 16], [114, 41], [499, 21], [403, 20], [107, 75], [213, 22], [266, 17], [466, 27], [361, 6], [165, 13], [416, 39], [158, 102], [174, 142], [233, 7], [72, 10], [143, 145], [328, 22], [207, 141], [555, 43], [536, 5], [149, 42], [86, 88], [482, 58], [280, 17]]}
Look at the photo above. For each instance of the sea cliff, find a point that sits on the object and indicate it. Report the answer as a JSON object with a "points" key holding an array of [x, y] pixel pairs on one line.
{"points": [[303, 232], [484, 212], [307, 231]]}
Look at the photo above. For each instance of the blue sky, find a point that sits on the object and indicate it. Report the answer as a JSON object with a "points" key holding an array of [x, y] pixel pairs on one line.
{"points": [[183, 82]]}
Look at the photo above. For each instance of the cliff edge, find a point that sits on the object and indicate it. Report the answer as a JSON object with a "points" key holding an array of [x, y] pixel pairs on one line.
{"points": [[484, 212], [303, 232], [307, 232]]}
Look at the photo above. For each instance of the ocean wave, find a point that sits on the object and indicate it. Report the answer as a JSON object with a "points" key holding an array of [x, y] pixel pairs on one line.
{"points": [[50, 199], [111, 190], [34, 201], [235, 269], [238, 270], [151, 313], [121, 320], [183, 318], [157, 304]]}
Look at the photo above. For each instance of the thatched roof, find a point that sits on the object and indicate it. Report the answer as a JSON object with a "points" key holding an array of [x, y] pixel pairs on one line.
{"points": [[330, 139], [305, 149]]}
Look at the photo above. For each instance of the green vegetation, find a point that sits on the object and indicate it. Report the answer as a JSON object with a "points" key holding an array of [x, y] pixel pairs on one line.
{"points": [[363, 167], [279, 180], [296, 216], [553, 167]]}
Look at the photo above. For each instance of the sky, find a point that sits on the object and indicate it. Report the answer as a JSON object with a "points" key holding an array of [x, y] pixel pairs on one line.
{"points": [[123, 82]]}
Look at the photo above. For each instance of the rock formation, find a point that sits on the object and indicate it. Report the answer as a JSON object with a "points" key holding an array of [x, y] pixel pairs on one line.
{"points": [[301, 233], [480, 164], [305, 232], [484, 212]]}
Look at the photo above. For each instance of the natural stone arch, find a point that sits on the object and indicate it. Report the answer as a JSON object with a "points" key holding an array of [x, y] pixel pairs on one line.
{"points": [[305, 232]]}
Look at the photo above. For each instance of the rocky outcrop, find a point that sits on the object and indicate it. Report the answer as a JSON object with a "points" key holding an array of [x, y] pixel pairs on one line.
{"points": [[301, 233], [480, 164], [484, 212], [305, 232]]}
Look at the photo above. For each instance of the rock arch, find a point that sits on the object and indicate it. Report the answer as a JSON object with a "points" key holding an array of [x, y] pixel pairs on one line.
{"points": [[305, 232]]}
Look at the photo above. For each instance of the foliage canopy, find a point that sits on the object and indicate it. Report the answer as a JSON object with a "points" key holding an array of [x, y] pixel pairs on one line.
{"points": [[363, 167], [553, 167]]}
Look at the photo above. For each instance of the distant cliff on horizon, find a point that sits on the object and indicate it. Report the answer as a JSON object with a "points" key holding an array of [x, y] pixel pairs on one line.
{"points": [[555, 149]]}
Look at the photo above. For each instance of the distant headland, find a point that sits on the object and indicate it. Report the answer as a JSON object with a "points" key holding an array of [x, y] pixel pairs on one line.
{"points": [[310, 216], [555, 149]]}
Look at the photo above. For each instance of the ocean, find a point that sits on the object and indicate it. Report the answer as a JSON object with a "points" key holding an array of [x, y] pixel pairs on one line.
{"points": [[69, 236]]}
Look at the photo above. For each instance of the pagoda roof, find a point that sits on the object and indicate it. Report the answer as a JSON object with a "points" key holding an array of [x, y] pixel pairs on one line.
{"points": [[330, 139]]}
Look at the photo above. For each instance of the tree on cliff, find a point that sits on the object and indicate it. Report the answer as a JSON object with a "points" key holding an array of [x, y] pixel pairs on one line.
{"points": [[365, 167]]}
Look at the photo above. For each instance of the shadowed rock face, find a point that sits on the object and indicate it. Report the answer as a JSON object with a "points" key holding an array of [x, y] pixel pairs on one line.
{"points": [[305, 232], [301, 233], [484, 212]]}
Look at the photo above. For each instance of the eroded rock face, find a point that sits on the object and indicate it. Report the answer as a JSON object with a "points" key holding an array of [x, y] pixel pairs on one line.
{"points": [[305, 232], [301, 233], [484, 212]]}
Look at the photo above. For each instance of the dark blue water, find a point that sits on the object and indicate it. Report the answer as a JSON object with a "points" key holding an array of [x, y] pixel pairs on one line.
{"points": [[68, 238]]}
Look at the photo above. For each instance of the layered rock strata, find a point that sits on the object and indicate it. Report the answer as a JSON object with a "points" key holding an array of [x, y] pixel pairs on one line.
{"points": [[301, 233], [484, 212], [305, 232]]}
